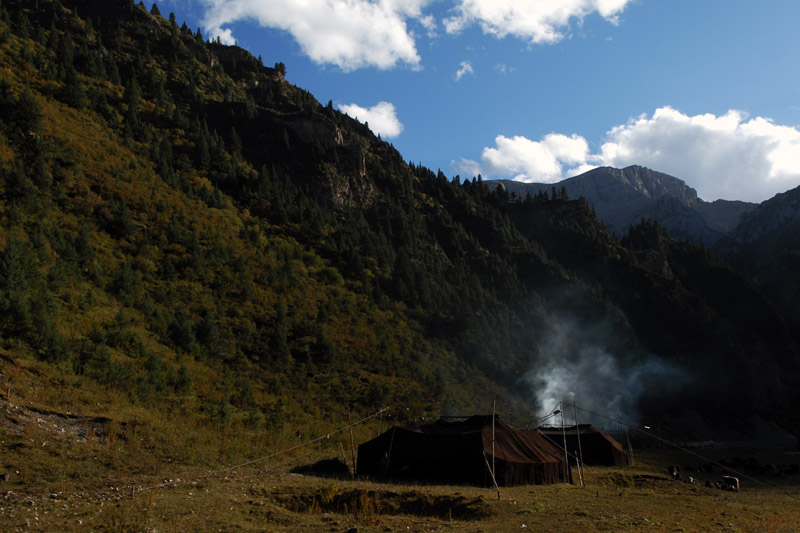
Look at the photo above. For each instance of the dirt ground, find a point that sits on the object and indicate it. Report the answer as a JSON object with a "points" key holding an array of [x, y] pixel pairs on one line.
{"points": [[260, 498]]}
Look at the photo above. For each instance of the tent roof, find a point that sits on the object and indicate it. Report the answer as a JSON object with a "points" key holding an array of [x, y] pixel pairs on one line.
{"points": [[510, 444], [584, 430], [459, 452]]}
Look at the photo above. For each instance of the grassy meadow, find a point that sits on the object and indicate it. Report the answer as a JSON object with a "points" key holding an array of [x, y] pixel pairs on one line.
{"points": [[63, 472]]}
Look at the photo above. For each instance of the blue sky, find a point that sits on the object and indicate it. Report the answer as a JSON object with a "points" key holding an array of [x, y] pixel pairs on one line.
{"points": [[540, 90]]}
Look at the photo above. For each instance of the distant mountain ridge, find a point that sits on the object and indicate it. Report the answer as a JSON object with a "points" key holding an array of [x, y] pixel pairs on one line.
{"points": [[766, 246], [624, 197]]}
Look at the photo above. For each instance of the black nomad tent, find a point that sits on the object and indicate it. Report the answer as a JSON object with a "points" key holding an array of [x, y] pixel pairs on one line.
{"points": [[598, 448], [461, 453]]}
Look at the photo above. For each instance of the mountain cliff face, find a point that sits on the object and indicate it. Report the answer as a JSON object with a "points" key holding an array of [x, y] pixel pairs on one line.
{"points": [[185, 232], [623, 197]]}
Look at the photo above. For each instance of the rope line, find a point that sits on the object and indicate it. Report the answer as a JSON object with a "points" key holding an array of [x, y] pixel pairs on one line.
{"points": [[635, 426], [260, 459]]}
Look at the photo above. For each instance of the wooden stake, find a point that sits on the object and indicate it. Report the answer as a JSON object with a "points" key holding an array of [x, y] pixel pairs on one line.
{"points": [[352, 444], [344, 455], [564, 434], [494, 407], [580, 471], [494, 480], [578, 434], [630, 448]]}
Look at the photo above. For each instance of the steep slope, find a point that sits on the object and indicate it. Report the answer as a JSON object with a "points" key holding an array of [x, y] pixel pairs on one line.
{"points": [[766, 245], [623, 197], [134, 281], [191, 242]]}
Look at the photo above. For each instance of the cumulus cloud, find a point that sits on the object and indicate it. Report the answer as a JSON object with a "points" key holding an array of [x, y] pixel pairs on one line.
{"points": [[350, 34], [522, 159], [537, 22], [382, 118], [727, 156], [724, 156], [463, 69], [353, 34]]}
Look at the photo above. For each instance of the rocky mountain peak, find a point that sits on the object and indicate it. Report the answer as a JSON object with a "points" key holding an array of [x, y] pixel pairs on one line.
{"points": [[633, 181], [769, 217]]}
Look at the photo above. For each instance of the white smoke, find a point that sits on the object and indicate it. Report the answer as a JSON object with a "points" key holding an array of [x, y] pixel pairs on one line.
{"points": [[575, 365]]}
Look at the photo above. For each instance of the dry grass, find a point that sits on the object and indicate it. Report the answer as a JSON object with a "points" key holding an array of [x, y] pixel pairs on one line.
{"points": [[118, 467], [263, 497]]}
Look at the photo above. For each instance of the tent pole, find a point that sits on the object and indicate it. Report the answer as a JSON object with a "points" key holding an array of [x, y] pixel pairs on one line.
{"points": [[630, 448], [344, 456], [352, 443], [580, 471], [494, 408], [578, 434], [389, 455], [494, 480], [564, 434]]}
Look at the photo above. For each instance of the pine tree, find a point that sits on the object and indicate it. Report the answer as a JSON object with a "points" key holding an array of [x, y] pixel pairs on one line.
{"points": [[73, 93], [27, 116]]}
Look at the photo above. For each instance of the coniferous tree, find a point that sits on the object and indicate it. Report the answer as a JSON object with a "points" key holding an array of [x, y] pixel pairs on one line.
{"points": [[27, 115], [280, 344], [73, 93], [18, 185]]}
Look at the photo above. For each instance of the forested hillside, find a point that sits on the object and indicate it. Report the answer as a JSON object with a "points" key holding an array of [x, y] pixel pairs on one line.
{"points": [[195, 247]]}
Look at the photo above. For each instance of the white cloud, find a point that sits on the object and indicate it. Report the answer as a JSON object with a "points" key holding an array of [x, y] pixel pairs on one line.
{"points": [[525, 160], [226, 37], [463, 69], [535, 21], [348, 33], [504, 69], [467, 167], [353, 34], [725, 156], [382, 118], [429, 23]]}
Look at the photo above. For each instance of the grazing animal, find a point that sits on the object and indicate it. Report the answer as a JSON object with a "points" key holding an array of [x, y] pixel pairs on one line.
{"points": [[730, 483]]}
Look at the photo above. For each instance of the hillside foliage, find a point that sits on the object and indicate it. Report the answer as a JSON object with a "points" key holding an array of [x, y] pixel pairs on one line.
{"points": [[186, 234]]}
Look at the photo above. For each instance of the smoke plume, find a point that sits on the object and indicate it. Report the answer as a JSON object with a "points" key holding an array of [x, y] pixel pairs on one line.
{"points": [[580, 364]]}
